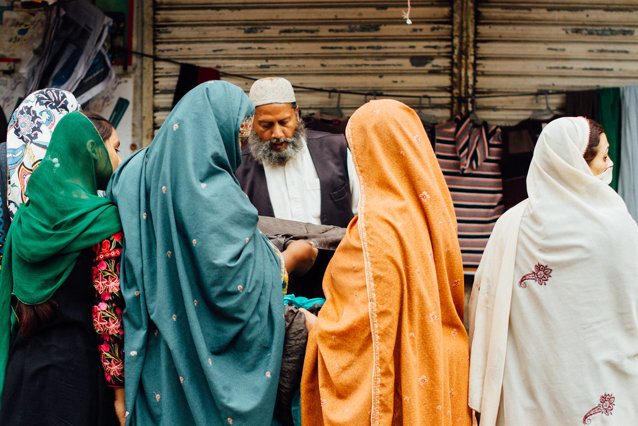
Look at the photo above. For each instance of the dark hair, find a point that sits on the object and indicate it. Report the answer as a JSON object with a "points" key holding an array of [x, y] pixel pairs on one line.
{"points": [[595, 130], [32, 317], [103, 126]]}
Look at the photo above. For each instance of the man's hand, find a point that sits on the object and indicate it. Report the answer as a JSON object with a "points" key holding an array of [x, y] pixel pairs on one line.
{"points": [[299, 256]]}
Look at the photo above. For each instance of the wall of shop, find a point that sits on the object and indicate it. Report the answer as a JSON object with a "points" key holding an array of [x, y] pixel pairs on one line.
{"points": [[531, 46], [349, 45]]}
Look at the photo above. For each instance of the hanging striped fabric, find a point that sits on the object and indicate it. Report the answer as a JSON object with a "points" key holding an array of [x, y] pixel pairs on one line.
{"points": [[470, 156]]}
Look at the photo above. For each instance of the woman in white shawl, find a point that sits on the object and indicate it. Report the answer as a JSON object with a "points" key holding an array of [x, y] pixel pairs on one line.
{"points": [[554, 308]]}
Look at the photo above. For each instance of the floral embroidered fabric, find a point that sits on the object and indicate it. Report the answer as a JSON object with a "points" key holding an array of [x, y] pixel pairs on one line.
{"points": [[108, 307], [606, 407], [541, 274]]}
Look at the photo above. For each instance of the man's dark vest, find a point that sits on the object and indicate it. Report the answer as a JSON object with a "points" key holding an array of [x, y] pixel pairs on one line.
{"points": [[328, 152]]}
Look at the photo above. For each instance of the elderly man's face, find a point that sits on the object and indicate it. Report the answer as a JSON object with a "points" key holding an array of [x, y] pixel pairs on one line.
{"points": [[274, 123], [277, 134]]}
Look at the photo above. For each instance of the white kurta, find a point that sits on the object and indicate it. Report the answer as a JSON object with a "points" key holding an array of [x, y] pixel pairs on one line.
{"points": [[571, 351], [294, 188]]}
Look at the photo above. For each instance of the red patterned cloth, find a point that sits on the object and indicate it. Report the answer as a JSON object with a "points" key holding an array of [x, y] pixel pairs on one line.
{"points": [[108, 307]]}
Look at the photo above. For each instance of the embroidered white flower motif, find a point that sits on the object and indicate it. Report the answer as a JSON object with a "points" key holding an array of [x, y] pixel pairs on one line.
{"points": [[174, 317], [268, 374], [144, 216], [195, 302], [424, 196], [175, 126], [137, 292], [164, 189], [194, 243], [133, 353], [56, 163]]}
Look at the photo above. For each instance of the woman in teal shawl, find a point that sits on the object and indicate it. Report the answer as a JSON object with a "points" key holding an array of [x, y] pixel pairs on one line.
{"points": [[53, 371], [204, 324]]}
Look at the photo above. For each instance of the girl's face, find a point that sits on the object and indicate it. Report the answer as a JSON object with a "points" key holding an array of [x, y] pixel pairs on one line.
{"points": [[601, 161], [112, 146]]}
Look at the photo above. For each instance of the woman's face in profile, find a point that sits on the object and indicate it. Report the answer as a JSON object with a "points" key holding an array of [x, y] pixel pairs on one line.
{"points": [[112, 146], [601, 162]]}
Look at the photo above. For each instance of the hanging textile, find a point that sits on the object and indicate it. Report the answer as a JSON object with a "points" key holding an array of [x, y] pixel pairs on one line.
{"points": [[609, 116], [469, 156], [584, 102], [628, 173], [191, 76]]}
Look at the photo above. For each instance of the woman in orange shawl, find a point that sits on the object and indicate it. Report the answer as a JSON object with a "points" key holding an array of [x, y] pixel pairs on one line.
{"points": [[389, 346]]}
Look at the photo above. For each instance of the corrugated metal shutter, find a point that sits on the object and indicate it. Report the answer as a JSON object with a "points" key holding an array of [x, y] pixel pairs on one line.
{"points": [[524, 46], [348, 45]]}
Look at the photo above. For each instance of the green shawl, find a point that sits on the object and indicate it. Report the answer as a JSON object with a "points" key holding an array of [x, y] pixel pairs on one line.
{"points": [[204, 311], [609, 116], [63, 217]]}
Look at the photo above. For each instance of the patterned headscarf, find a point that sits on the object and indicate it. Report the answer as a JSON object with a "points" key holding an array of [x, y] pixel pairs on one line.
{"points": [[28, 137]]}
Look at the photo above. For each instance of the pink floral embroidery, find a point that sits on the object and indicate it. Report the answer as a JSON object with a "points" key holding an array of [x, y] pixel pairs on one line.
{"points": [[606, 406], [541, 275], [107, 308], [245, 127]]}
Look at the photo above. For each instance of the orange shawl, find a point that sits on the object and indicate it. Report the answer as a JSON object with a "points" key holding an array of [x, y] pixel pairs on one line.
{"points": [[389, 346]]}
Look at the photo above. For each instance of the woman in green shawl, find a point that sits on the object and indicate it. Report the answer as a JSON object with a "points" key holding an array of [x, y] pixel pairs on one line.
{"points": [[202, 285], [50, 370]]}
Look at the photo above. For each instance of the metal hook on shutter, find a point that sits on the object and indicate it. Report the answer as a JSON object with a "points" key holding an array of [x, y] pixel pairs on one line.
{"points": [[332, 113]]}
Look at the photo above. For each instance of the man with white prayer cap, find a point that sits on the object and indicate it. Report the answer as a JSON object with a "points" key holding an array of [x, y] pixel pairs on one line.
{"points": [[292, 173]]}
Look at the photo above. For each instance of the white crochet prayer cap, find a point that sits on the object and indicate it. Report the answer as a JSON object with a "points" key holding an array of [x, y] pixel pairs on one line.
{"points": [[272, 90]]}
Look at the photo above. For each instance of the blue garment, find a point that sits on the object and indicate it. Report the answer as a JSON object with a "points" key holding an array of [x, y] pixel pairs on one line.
{"points": [[303, 302], [204, 325]]}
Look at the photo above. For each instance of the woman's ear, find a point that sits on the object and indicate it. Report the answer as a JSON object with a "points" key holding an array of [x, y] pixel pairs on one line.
{"points": [[91, 146]]}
